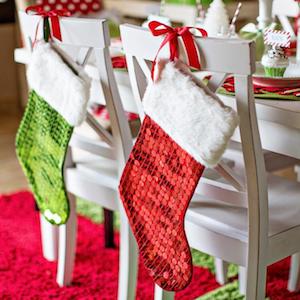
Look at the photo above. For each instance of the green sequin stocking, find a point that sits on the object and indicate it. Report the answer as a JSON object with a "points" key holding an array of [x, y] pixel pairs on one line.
{"points": [[42, 143]]}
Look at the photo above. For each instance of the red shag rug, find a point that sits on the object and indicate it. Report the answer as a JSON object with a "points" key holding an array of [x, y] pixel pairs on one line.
{"points": [[25, 274]]}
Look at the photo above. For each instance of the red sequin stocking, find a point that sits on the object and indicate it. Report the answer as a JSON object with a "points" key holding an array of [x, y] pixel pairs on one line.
{"points": [[156, 187]]}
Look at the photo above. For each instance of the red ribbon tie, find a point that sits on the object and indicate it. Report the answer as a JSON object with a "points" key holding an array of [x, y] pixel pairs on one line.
{"points": [[171, 37], [53, 15]]}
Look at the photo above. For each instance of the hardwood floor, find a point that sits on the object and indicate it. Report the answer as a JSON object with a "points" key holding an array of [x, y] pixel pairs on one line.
{"points": [[11, 175]]}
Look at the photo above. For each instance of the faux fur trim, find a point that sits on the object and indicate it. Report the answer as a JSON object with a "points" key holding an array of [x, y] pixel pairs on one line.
{"points": [[191, 115], [55, 81]]}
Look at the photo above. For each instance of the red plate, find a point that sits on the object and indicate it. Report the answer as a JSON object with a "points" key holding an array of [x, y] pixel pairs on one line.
{"points": [[260, 79]]}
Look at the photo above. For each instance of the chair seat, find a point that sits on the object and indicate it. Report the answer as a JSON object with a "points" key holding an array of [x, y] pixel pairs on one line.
{"points": [[103, 171], [231, 221], [90, 179], [273, 161]]}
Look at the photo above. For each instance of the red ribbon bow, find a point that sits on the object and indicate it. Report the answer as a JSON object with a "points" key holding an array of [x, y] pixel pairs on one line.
{"points": [[53, 15], [171, 37]]}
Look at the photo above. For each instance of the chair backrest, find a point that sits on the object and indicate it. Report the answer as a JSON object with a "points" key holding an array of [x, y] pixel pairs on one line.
{"points": [[283, 10], [80, 39], [220, 57]]}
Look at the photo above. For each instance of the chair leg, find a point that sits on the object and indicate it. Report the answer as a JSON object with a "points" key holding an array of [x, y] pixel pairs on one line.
{"points": [[242, 280], [221, 267], [128, 260], [294, 276], [67, 246], [49, 238], [297, 171], [256, 281], [109, 228], [160, 294]]}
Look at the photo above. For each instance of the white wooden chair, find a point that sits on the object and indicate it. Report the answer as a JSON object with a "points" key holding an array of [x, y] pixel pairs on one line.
{"points": [[283, 10], [251, 220], [96, 177]]}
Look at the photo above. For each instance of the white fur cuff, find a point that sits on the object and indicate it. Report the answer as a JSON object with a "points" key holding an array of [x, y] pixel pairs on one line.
{"points": [[193, 117], [57, 84]]}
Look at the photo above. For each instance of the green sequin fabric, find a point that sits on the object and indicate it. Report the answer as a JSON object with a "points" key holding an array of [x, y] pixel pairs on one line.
{"points": [[41, 144]]}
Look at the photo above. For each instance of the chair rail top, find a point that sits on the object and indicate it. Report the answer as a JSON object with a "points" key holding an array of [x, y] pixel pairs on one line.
{"points": [[218, 55], [82, 32]]}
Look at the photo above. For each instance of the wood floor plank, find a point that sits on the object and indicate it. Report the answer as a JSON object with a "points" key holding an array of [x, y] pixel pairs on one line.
{"points": [[11, 176]]}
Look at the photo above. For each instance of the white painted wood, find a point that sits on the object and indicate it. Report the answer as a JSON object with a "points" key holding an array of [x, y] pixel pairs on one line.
{"points": [[128, 263], [277, 111], [67, 246], [67, 234], [216, 244], [286, 244], [294, 276], [92, 146], [216, 81], [84, 186], [297, 170], [212, 188], [256, 187], [96, 180], [103, 133], [160, 294], [138, 85], [229, 175], [221, 270], [49, 239], [242, 280], [288, 138]]}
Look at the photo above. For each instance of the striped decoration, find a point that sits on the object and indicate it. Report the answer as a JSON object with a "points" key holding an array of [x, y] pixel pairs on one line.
{"points": [[277, 38]]}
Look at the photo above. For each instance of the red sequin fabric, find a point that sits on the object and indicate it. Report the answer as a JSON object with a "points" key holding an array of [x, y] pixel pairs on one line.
{"points": [[156, 187]]}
